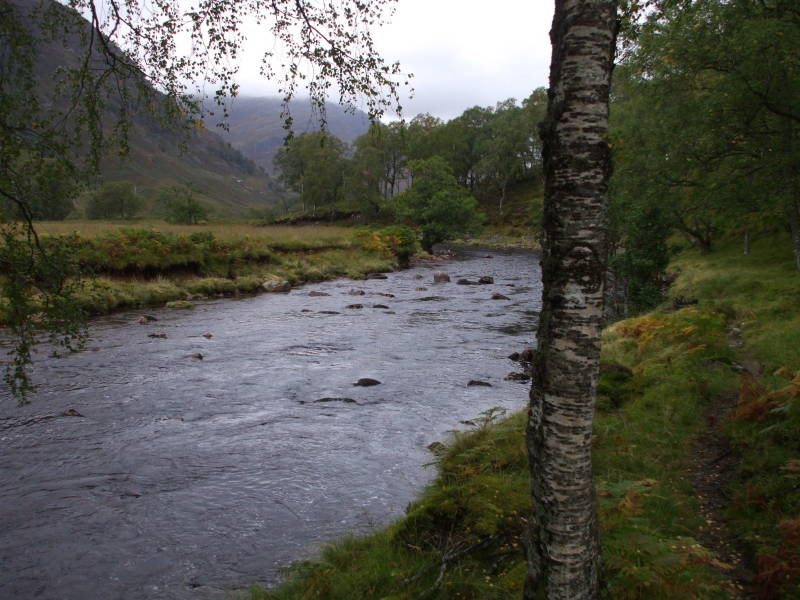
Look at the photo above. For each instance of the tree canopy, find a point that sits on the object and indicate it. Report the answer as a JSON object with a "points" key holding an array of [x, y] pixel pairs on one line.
{"points": [[435, 202], [705, 121]]}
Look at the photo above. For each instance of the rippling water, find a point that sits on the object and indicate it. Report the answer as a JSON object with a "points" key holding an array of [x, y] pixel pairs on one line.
{"points": [[187, 477]]}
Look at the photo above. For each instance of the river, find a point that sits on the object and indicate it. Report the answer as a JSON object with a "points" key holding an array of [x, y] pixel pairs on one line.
{"points": [[186, 477]]}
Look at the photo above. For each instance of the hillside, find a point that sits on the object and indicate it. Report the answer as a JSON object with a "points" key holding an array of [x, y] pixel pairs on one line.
{"points": [[256, 127], [160, 154]]}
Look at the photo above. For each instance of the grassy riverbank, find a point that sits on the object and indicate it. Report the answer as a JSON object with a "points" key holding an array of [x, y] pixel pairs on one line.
{"points": [[121, 267], [666, 371]]}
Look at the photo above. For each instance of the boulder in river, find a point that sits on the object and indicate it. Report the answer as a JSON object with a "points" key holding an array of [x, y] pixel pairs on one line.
{"points": [[71, 412], [329, 312], [345, 400], [527, 355], [441, 277], [521, 377], [422, 289], [162, 336], [196, 355], [316, 293], [500, 297], [478, 383], [379, 306], [376, 276], [466, 282], [276, 285], [385, 294], [355, 306], [356, 292], [145, 319], [486, 280], [438, 448], [367, 382], [208, 336]]}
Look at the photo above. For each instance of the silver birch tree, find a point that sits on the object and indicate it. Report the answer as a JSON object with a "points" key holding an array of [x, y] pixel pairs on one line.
{"points": [[564, 551]]}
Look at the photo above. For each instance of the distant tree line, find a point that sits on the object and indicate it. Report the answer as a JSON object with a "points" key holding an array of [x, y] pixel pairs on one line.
{"points": [[427, 172]]}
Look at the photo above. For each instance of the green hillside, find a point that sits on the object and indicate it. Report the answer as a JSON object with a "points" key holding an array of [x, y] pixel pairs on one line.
{"points": [[160, 152]]}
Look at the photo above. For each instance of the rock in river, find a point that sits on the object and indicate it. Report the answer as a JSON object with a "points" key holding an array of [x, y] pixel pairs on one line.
{"points": [[500, 297], [276, 285], [521, 377], [478, 383], [316, 293], [486, 280], [366, 382], [438, 448], [345, 400], [440, 277]]}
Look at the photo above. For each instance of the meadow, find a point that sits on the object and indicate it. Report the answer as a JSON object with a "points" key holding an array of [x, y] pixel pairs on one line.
{"points": [[310, 235], [119, 266]]}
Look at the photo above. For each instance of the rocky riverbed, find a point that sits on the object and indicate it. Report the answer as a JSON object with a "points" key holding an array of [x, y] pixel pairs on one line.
{"points": [[194, 452]]}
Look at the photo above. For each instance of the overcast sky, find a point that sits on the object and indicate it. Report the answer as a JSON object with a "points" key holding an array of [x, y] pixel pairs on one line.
{"points": [[462, 52]]}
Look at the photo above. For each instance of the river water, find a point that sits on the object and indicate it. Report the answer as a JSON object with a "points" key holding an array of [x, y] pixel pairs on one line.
{"points": [[188, 477]]}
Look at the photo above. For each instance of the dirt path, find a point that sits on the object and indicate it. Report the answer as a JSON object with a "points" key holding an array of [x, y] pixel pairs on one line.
{"points": [[713, 467]]}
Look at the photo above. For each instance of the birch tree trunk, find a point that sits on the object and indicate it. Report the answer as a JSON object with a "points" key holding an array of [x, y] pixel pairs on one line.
{"points": [[564, 552]]}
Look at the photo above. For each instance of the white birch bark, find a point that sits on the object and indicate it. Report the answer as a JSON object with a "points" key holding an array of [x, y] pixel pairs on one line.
{"points": [[564, 554]]}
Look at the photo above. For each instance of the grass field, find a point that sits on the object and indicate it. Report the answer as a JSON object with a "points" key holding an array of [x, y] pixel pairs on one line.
{"points": [[310, 234]]}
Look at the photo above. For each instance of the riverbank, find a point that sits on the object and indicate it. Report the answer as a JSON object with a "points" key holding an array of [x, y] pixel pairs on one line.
{"points": [[503, 238], [730, 329], [120, 268]]}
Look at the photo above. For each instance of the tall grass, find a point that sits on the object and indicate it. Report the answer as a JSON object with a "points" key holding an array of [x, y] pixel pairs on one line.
{"points": [[137, 267]]}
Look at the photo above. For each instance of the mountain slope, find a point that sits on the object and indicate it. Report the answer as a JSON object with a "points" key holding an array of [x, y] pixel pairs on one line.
{"points": [[255, 125], [160, 154]]}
